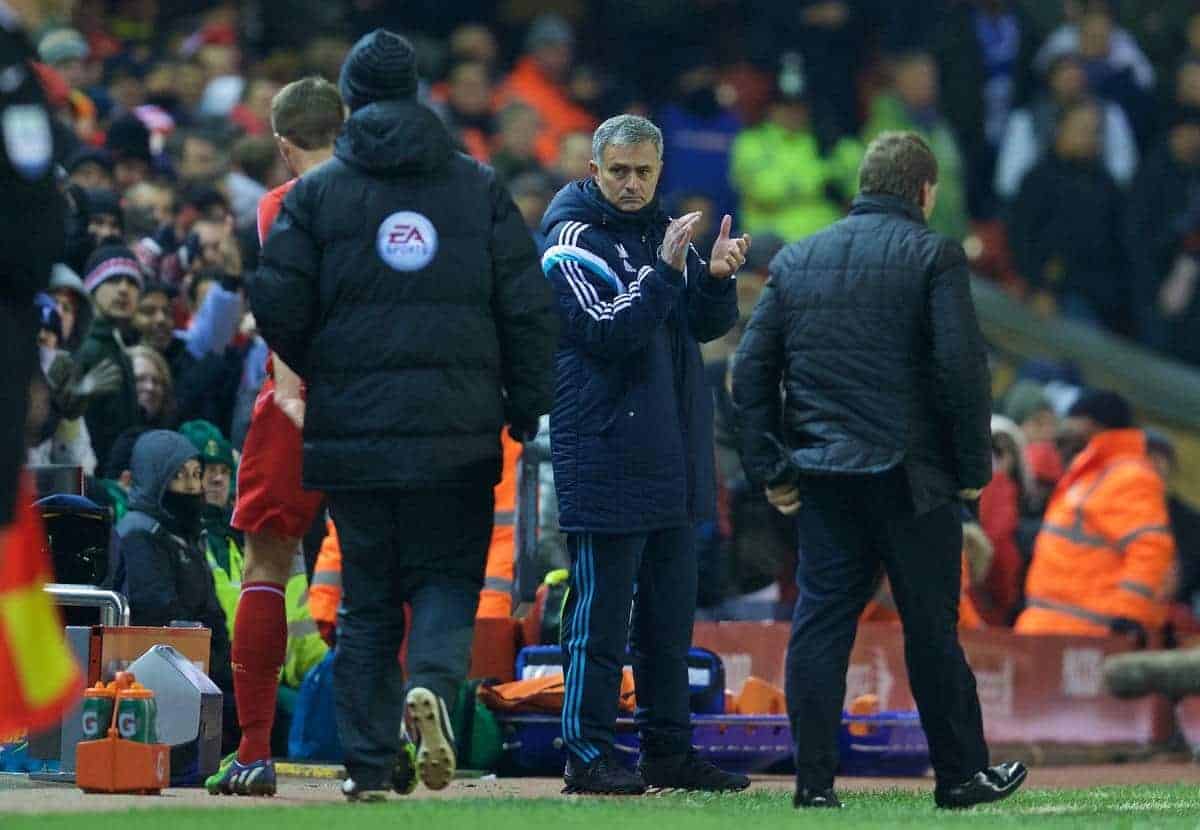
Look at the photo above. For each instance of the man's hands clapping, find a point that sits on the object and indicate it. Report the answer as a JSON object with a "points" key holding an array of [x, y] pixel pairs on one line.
{"points": [[677, 239]]}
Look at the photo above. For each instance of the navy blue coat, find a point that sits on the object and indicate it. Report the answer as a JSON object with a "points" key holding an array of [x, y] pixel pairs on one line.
{"points": [[631, 431]]}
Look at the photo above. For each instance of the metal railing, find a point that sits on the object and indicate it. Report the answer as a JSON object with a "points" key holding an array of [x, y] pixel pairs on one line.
{"points": [[114, 608]]}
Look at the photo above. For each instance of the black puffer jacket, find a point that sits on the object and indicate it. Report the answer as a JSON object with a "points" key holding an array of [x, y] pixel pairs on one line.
{"points": [[401, 283], [871, 328]]}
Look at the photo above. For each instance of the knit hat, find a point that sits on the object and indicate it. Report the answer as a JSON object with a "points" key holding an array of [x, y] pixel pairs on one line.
{"points": [[110, 261], [128, 138], [62, 45], [1025, 399], [382, 66], [1106, 408], [207, 438]]}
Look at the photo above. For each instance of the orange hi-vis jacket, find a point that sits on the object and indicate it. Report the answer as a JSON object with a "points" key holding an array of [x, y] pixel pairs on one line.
{"points": [[495, 600], [1105, 550], [560, 115], [39, 676]]}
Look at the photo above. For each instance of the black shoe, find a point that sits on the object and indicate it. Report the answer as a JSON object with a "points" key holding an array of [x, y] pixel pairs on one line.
{"points": [[992, 784], [816, 798], [688, 771], [604, 776]]}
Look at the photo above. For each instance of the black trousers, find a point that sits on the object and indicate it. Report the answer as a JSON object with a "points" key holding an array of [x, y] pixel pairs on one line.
{"points": [[427, 548], [850, 526], [655, 575]]}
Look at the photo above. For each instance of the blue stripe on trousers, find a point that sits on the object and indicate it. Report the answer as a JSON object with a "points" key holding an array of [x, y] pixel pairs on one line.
{"points": [[580, 625]]}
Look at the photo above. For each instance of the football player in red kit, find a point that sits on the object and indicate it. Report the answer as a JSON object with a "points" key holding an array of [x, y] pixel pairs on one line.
{"points": [[273, 509]]}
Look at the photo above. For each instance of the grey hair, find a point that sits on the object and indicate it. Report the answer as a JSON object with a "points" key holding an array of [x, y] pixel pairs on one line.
{"points": [[626, 129]]}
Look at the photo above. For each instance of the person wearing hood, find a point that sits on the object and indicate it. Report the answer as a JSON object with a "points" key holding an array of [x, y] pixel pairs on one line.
{"points": [[632, 445], [161, 567], [400, 283], [74, 306]]}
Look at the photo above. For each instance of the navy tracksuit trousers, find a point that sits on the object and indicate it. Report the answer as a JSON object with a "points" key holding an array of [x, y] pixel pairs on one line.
{"points": [[654, 574]]}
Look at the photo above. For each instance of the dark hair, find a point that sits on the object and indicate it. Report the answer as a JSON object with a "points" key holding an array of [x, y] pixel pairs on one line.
{"points": [[308, 113], [255, 155], [157, 287], [898, 164], [203, 198]]}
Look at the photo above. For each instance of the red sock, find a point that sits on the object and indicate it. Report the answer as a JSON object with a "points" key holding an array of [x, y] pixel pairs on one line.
{"points": [[259, 649]]}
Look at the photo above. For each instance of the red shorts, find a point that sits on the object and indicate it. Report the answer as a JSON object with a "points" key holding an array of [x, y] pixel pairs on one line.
{"points": [[270, 497]]}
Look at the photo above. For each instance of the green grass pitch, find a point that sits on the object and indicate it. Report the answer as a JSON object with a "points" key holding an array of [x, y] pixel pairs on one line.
{"points": [[1102, 807]]}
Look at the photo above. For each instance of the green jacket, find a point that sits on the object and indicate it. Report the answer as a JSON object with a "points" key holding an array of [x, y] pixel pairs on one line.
{"points": [[305, 648], [785, 183], [109, 415], [950, 213]]}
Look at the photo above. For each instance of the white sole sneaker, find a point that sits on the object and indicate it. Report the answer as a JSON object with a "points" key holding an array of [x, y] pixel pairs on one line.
{"points": [[352, 792], [427, 716]]}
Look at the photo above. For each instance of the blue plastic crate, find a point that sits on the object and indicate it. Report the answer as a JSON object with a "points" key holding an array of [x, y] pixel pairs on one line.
{"points": [[894, 747]]}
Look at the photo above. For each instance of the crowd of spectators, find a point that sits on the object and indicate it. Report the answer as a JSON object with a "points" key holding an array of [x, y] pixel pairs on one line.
{"points": [[1067, 131], [1067, 134]]}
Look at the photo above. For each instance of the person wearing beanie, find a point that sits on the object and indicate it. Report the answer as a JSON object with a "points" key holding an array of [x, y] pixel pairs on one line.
{"points": [[1185, 520], [1102, 561], [105, 221], [91, 168], [461, 326], [128, 141], [113, 278]]}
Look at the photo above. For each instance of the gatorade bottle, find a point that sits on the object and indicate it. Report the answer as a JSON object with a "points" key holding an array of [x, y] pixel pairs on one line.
{"points": [[97, 713], [137, 715]]}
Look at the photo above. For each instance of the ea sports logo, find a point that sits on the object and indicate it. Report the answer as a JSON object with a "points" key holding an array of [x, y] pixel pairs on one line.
{"points": [[406, 241]]}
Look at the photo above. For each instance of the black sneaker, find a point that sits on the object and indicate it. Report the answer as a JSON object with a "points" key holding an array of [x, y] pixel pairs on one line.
{"points": [[688, 771], [992, 784], [806, 797], [604, 776]]}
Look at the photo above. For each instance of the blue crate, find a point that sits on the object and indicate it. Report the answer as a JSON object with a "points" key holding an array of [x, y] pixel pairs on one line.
{"points": [[895, 747]]}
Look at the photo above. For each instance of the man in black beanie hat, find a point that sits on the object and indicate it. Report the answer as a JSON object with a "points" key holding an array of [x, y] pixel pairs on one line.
{"points": [[401, 284], [128, 140], [114, 280]]}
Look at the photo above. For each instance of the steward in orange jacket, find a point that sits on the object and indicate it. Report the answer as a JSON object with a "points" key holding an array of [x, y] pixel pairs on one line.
{"points": [[1105, 551], [538, 81]]}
